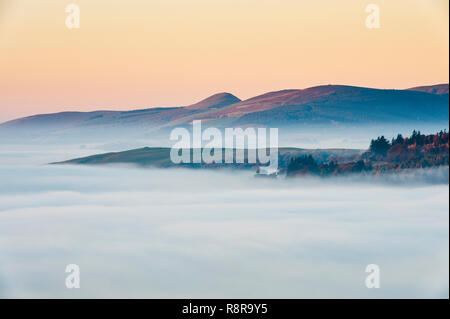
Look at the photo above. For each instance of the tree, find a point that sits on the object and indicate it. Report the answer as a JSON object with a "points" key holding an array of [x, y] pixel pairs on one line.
{"points": [[380, 146], [398, 140], [304, 163]]}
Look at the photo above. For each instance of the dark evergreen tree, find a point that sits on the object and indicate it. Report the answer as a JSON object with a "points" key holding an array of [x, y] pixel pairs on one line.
{"points": [[398, 140], [380, 146]]}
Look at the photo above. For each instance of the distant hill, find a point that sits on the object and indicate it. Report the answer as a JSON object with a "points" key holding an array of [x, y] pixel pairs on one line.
{"points": [[152, 116], [324, 105]]}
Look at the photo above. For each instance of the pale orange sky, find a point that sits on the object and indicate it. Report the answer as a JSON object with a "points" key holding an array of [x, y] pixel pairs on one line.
{"points": [[134, 54]]}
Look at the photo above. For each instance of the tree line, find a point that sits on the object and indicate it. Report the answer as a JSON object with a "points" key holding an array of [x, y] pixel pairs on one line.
{"points": [[416, 151]]}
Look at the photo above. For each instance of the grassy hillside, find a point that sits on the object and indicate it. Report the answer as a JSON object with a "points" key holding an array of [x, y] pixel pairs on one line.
{"points": [[160, 157]]}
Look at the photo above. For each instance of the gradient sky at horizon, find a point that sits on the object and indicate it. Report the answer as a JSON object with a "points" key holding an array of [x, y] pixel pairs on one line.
{"points": [[136, 54]]}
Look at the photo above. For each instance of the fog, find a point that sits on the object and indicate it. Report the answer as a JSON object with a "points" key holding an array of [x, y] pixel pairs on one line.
{"points": [[176, 233], [107, 139]]}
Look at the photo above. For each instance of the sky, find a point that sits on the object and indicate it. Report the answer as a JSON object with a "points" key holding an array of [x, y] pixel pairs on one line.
{"points": [[138, 54]]}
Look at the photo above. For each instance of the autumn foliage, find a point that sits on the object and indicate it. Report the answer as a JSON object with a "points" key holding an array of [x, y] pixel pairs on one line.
{"points": [[416, 151]]}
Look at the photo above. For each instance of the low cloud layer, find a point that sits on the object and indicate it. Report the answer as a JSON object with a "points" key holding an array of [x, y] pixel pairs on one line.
{"points": [[193, 234]]}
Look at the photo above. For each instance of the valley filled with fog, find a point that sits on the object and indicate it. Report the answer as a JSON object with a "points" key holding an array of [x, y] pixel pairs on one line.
{"points": [[179, 233], [224, 149]]}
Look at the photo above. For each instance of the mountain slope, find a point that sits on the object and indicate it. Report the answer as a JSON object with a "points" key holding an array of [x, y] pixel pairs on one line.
{"points": [[335, 103], [218, 100], [433, 89], [151, 116]]}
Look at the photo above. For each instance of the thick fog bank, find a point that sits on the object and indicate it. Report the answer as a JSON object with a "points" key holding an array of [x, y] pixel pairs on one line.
{"points": [[193, 234]]}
